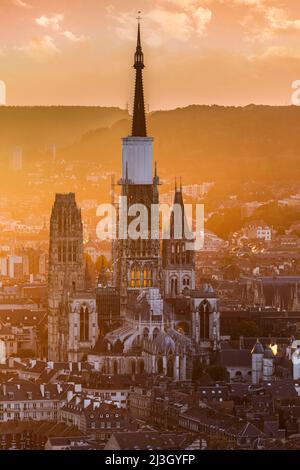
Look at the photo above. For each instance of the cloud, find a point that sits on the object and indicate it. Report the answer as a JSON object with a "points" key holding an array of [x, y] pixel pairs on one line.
{"points": [[264, 21], [73, 38], [164, 22], [279, 52], [22, 4], [40, 47], [185, 4], [277, 19], [175, 25], [53, 22], [202, 17]]}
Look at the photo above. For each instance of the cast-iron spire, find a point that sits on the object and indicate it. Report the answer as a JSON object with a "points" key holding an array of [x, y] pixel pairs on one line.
{"points": [[139, 118]]}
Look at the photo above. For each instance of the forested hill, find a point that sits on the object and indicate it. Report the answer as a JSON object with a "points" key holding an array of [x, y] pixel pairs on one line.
{"points": [[199, 142]]}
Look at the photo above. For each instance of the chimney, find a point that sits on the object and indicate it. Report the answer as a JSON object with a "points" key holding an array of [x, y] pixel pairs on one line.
{"points": [[79, 366], [4, 390], [70, 366], [42, 390]]}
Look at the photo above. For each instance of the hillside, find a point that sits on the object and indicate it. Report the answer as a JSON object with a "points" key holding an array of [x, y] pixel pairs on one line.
{"points": [[202, 142], [199, 142]]}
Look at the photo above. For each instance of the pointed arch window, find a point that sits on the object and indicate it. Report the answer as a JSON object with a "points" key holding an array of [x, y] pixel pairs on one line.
{"points": [[84, 323], [148, 277], [135, 277]]}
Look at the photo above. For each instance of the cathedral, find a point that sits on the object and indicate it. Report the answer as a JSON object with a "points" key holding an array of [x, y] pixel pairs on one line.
{"points": [[165, 322]]}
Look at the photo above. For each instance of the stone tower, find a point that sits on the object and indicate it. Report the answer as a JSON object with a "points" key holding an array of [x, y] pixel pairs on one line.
{"points": [[66, 270], [178, 260], [137, 262], [268, 364], [257, 354]]}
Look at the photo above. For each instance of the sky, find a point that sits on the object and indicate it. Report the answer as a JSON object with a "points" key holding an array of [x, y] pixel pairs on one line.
{"points": [[80, 52]]}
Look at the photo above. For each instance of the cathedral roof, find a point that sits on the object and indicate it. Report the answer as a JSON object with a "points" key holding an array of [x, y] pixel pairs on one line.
{"points": [[170, 340]]}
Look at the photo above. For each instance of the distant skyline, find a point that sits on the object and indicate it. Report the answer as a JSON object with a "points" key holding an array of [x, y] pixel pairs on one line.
{"points": [[80, 52]]}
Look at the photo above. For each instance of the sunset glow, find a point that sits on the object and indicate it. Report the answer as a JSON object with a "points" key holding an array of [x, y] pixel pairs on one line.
{"points": [[231, 52]]}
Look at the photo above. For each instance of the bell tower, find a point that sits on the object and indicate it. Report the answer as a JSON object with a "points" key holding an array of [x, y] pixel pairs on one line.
{"points": [[178, 260], [66, 269], [138, 261]]}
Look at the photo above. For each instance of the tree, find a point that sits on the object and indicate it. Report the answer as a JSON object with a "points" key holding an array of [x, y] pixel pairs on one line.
{"points": [[198, 370], [247, 328], [218, 373]]}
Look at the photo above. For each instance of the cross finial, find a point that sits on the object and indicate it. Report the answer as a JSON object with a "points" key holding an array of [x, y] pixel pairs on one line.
{"points": [[139, 16]]}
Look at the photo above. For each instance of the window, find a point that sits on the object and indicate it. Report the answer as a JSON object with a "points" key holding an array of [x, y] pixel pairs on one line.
{"points": [[84, 323], [174, 286]]}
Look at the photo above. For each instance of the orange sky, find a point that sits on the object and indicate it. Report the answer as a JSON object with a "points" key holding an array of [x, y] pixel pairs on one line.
{"points": [[196, 51]]}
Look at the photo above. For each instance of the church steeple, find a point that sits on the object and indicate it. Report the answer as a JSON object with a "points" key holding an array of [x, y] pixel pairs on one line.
{"points": [[139, 119]]}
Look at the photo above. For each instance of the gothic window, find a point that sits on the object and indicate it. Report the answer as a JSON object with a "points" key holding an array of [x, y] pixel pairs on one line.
{"points": [[204, 310], [148, 282], [75, 252], [170, 366], [178, 253], [132, 278], [160, 366], [84, 323], [174, 286], [183, 253], [138, 278], [186, 281], [172, 253]]}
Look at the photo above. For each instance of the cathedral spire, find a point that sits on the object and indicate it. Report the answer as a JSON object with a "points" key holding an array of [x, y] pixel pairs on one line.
{"points": [[139, 118]]}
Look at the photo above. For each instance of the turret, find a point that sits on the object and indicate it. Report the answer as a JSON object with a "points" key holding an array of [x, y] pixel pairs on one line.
{"points": [[257, 362], [268, 363]]}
